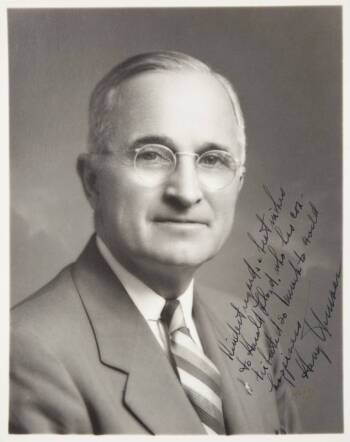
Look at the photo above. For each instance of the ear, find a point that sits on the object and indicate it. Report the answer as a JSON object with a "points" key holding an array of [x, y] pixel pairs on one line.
{"points": [[241, 178], [87, 171]]}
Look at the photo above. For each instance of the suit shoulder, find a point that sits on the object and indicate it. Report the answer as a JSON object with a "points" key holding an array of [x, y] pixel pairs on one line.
{"points": [[55, 303]]}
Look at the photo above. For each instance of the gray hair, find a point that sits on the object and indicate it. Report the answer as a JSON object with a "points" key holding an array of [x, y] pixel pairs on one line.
{"points": [[102, 99]]}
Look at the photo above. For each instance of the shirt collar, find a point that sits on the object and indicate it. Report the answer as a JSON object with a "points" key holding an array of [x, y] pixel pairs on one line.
{"points": [[148, 302]]}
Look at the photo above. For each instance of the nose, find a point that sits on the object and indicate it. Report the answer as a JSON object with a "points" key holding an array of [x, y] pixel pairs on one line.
{"points": [[183, 187]]}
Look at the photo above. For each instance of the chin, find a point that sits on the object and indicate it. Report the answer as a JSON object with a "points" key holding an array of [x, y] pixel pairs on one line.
{"points": [[184, 256]]}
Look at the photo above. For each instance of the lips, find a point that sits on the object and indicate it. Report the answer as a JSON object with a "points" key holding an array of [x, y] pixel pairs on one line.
{"points": [[177, 220]]}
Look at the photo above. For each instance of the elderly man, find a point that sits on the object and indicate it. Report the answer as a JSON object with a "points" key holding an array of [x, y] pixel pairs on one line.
{"points": [[121, 341]]}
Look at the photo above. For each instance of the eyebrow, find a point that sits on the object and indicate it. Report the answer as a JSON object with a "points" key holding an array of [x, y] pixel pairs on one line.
{"points": [[168, 142]]}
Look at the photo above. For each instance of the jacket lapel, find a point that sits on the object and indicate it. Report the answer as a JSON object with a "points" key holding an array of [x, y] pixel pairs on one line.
{"points": [[125, 342], [238, 412]]}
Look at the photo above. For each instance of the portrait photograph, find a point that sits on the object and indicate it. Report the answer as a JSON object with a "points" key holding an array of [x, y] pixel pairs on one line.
{"points": [[175, 194]]}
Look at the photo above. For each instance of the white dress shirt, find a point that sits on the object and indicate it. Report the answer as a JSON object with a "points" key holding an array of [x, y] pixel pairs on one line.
{"points": [[148, 302]]}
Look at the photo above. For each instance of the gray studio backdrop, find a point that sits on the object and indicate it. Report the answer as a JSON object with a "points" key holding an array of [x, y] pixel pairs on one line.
{"points": [[286, 66]]}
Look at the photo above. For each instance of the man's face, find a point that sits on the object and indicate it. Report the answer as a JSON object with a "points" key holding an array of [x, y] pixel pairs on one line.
{"points": [[178, 222]]}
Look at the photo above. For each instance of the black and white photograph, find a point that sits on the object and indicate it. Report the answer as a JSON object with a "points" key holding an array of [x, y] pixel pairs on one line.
{"points": [[175, 181]]}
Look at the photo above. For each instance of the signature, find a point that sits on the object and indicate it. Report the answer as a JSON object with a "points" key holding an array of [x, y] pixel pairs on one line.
{"points": [[282, 241]]}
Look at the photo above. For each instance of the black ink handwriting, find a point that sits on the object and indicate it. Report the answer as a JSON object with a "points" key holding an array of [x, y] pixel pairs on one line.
{"points": [[314, 220], [308, 367]]}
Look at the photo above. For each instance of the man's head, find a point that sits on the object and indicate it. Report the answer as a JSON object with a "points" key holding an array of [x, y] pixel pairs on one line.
{"points": [[160, 201]]}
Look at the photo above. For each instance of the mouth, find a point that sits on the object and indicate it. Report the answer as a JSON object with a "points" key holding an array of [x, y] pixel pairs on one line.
{"points": [[181, 223]]}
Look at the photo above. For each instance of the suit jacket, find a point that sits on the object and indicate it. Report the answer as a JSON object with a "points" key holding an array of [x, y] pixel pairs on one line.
{"points": [[83, 360]]}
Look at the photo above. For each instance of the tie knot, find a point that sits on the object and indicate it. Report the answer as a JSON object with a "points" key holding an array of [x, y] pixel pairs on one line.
{"points": [[172, 315]]}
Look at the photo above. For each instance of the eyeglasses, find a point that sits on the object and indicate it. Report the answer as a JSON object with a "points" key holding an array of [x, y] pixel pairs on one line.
{"points": [[154, 164]]}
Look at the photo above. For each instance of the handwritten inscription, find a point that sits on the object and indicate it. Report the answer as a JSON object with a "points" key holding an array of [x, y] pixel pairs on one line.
{"points": [[282, 241], [308, 367]]}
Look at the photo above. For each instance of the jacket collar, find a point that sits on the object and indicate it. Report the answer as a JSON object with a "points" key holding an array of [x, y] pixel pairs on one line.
{"points": [[126, 343]]}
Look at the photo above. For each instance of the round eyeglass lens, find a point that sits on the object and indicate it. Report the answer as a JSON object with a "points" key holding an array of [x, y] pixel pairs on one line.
{"points": [[154, 163], [216, 169]]}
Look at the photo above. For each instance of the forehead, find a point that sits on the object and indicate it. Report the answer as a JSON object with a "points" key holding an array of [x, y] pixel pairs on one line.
{"points": [[191, 108]]}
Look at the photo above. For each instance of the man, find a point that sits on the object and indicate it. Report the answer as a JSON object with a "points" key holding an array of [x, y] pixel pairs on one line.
{"points": [[121, 341]]}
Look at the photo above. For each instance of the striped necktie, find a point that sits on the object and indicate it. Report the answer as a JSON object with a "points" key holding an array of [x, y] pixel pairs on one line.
{"points": [[197, 374]]}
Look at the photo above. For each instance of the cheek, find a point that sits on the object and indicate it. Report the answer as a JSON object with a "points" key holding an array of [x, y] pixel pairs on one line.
{"points": [[224, 207], [124, 204], [226, 224]]}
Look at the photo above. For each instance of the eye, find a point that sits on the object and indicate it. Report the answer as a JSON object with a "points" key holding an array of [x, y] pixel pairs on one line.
{"points": [[215, 160], [210, 159], [153, 156], [148, 155]]}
